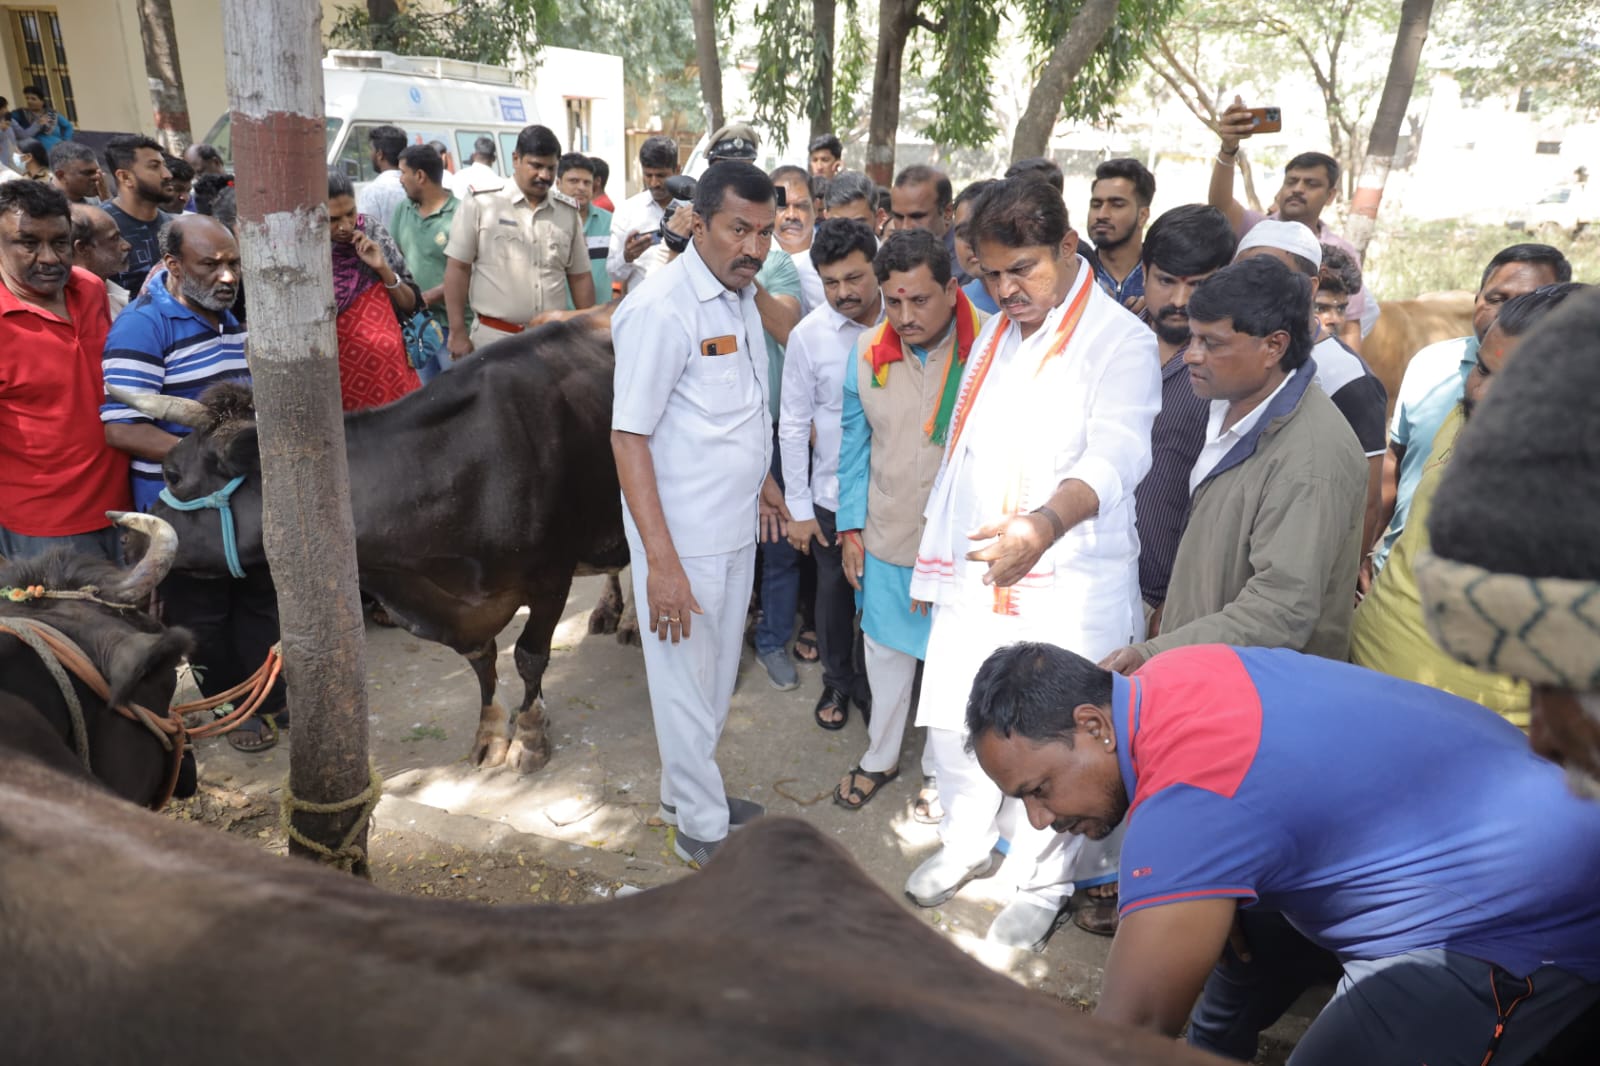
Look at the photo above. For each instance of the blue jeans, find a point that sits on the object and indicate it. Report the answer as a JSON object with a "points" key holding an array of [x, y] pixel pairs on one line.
{"points": [[102, 544], [780, 581]]}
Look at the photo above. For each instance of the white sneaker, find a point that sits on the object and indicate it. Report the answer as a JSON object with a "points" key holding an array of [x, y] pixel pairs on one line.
{"points": [[1024, 924], [941, 876]]}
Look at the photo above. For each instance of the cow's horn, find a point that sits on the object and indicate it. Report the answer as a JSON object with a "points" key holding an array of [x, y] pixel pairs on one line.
{"points": [[184, 412], [148, 572]]}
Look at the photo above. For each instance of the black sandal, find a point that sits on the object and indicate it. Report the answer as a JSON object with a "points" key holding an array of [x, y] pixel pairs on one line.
{"points": [[1097, 914], [807, 640], [254, 735], [841, 704], [856, 799]]}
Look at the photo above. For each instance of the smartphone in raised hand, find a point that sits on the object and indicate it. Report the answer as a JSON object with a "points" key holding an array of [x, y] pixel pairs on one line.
{"points": [[1265, 120]]}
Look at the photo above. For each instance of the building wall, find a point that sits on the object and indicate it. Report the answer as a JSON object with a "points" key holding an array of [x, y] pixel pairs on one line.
{"points": [[106, 58]]}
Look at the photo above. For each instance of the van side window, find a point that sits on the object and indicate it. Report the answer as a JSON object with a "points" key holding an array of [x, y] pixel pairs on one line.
{"points": [[464, 142], [357, 150], [508, 148]]}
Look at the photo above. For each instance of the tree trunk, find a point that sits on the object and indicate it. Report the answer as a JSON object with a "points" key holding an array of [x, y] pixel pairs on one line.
{"points": [[896, 20], [1067, 58], [160, 37], [1247, 174], [823, 17], [275, 94], [704, 13], [1414, 16]]}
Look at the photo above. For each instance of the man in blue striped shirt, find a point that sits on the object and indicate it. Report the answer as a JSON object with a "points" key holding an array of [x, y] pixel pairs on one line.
{"points": [[178, 338]]}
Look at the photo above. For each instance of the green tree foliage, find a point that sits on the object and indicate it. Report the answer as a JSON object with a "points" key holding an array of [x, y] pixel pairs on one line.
{"points": [[1093, 94], [653, 37], [1548, 46], [481, 31], [953, 56]]}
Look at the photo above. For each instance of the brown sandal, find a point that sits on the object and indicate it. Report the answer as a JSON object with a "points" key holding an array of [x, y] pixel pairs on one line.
{"points": [[1097, 914]]}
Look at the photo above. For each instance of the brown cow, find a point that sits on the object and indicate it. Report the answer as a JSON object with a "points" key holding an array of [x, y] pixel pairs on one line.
{"points": [[1405, 327], [130, 938]]}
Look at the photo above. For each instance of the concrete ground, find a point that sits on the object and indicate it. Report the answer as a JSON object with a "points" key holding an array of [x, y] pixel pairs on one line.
{"points": [[598, 794]]}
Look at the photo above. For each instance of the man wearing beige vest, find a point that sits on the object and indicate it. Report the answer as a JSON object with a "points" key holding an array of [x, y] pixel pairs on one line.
{"points": [[899, 391]]}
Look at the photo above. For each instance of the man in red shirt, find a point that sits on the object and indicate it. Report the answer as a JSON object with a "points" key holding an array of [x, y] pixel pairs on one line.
{"points": [[58, 477]]}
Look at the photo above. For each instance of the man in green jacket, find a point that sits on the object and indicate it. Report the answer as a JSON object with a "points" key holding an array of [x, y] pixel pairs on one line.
{"points": [[1269, 556]]}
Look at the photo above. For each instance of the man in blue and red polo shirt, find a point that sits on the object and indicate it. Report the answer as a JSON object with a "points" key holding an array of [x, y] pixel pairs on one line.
{"points": [[1333, 816]]}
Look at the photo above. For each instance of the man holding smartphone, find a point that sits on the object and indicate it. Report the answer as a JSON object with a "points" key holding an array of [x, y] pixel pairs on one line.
{"points": [[1310, 184], [637, 224]]}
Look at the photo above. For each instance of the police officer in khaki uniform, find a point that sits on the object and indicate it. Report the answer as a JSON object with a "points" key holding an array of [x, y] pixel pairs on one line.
{"points": [[514, 250]]}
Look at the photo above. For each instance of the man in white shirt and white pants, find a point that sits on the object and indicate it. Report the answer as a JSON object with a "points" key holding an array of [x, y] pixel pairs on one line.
{"points": [[692, 442], [814, 366], [1030, 529]]}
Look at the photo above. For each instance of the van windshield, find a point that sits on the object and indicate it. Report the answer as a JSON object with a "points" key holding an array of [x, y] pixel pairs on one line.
{"points": [[221, 136]]}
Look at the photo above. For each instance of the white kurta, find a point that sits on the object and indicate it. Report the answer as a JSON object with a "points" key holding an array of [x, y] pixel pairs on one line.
{"points": [[1084, 414]]}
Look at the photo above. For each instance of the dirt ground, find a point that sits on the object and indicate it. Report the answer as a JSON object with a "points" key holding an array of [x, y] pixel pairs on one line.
{"points": [[583, 828]]}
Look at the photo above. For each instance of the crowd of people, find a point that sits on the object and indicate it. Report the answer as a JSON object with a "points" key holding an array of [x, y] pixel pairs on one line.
{"points": [[1121, 524]]}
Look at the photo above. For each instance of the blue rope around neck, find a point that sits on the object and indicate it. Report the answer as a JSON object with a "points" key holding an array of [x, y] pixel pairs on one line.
{"points": [[217, 501]]}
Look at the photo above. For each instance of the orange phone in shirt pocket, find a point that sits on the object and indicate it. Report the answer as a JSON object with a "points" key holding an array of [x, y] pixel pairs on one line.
{"points": [[724, 345]]}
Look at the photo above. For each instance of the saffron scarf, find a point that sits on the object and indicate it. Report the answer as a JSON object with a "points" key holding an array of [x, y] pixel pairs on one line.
{"points": [[885, 349]]}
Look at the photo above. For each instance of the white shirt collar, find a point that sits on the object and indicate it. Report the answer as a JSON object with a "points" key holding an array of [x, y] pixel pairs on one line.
{"points": [[840, 322], [1219, 411]]}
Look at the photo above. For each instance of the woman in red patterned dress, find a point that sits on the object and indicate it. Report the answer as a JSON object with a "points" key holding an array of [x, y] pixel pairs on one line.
{"points": [[374, 291]]}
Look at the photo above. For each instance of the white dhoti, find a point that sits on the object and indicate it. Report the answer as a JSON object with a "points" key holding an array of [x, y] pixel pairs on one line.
{"points": [[691, 684], [1042, 862], [1074, 401]]}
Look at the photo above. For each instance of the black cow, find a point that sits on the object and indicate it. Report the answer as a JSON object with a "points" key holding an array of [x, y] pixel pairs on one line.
{"points": [[98, 606], [484, 492]]}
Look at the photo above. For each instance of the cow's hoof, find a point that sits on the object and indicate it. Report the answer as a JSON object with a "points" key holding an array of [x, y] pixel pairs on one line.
{"points": [[603, 619], [628, 633], [489, 749], [530, 744]]}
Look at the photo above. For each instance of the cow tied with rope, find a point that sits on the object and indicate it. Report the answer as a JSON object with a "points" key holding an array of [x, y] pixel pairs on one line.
{"points": [[77, 644], [484, 492]]}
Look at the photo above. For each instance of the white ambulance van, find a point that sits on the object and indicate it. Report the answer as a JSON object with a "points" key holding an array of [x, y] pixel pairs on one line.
{"points": [[577, 94]]}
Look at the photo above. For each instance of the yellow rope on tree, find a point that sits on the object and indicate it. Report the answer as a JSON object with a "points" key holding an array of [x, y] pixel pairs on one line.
{"points": [[348, 853]]}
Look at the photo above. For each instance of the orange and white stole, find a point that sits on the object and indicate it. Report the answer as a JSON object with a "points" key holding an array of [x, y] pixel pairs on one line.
{"points": [[935, 565]]}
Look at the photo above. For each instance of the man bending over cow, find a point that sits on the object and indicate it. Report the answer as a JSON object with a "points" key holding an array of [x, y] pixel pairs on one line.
{"points": [[1297, 817], [177, 339], [692, 441]]}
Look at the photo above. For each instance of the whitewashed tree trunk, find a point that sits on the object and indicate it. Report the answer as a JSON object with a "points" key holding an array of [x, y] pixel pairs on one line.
{"points": [[1414, 18], [275, 94], [161, 66]]}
